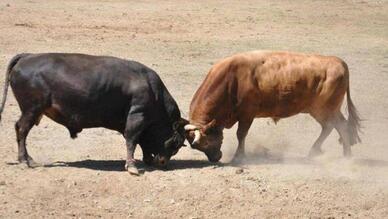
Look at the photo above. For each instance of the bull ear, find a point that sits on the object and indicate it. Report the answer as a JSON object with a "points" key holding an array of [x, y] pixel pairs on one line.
{"points": [[168, 143], [175, 126], [208, 128], [179, 124]]}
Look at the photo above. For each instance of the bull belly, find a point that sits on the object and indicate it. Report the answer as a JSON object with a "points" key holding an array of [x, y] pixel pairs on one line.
{"points": [[77, 120], [282, 109]]}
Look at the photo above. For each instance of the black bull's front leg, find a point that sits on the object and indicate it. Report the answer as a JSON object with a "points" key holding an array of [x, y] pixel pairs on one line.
{"points": [[148, 159], [134, 127]]}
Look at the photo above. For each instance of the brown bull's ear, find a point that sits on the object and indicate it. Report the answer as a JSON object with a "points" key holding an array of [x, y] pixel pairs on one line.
{"points": [[208, 128]]}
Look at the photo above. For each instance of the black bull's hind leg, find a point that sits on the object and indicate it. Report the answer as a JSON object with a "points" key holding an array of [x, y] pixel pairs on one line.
{"points": [[22, 128], [32, 103]]}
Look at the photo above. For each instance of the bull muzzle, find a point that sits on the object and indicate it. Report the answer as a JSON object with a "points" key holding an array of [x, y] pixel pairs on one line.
{"points": [[214, 156]]}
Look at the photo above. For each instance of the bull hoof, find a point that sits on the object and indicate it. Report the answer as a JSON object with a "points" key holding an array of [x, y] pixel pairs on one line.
{"points": [[315, 153], [132, 169], [348, 154], [237, 159], [32, 164], [29, 162]]}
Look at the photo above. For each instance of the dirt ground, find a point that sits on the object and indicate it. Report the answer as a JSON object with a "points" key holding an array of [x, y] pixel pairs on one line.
{"points": [[181, 40]]}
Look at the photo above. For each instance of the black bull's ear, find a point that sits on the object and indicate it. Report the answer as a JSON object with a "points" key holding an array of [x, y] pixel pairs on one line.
{"points": [[169, 143], [179, 125], [179, 134], [175, 141]]}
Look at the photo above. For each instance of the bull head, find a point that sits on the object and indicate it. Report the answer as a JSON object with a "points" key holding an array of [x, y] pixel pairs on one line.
{"points": [[176, 141], [207, 138], [199, 132]]}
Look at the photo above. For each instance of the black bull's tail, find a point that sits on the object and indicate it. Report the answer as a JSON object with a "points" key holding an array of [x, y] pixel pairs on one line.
{"points": [[11, 64], [354, 120]]}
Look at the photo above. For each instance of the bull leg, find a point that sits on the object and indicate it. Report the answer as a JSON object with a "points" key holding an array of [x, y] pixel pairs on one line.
{"points": [[342, 129], [147, 157], [133, 129], [22, 128], [242, 131], [316, 148]]}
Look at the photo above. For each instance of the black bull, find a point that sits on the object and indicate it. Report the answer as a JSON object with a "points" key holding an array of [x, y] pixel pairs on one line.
{"points": [[82, 91]]}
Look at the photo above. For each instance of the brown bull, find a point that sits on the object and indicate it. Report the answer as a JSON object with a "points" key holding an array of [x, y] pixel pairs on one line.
{"points": [[277, 85]]}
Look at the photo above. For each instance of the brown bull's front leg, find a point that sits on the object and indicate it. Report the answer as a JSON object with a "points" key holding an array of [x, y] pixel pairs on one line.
{"points": [[242, 131]]}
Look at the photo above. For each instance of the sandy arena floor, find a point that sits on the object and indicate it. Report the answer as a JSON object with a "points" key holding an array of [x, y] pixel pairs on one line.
{"points": [[181, 41]]}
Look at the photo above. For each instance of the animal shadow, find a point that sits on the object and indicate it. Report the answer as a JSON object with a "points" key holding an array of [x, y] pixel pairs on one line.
{"points": [[118, 165], [265, 156]]}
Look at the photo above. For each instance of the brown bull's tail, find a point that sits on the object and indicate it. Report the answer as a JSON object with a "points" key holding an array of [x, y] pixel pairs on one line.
{"points": [[11, 64], [354, 120]]}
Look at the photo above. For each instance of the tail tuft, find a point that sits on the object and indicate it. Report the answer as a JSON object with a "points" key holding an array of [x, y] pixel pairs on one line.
{"points": [[354, 121]]}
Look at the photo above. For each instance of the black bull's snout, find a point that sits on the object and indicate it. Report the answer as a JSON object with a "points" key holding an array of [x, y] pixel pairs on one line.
{"points": [[161, 161]]}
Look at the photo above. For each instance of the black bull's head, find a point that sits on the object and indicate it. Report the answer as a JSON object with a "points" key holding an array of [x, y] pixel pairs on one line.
{"points": [[172, 144]]}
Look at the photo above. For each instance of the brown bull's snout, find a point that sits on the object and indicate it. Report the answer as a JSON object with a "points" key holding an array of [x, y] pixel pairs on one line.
{"points": [[195, 144], [214, 156]]}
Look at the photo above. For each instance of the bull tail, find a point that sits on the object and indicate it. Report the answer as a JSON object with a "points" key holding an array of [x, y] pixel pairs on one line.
{"points": [[354, 120], [11, 64]]}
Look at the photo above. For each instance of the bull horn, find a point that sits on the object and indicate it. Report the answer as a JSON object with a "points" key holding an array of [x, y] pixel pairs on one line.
{"points": [[197, 134], [190, 127], [197, 137]]}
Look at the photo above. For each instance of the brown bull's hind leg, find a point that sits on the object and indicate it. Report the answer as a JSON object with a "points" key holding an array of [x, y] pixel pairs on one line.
{"points": [[326, 121], [341, 126], [316, 148], [22, 128], [242, 131]]}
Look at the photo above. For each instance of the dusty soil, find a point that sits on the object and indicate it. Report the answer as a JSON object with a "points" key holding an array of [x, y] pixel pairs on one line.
{"points": [[181, 40]]}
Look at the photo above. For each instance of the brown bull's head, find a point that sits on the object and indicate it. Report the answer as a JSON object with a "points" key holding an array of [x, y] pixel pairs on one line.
{"points": [[207, 138]]}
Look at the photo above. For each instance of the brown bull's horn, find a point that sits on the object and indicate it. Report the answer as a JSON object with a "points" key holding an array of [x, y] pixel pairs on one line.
{"points": [[190, 127], [197, 134], [197, 137]]}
